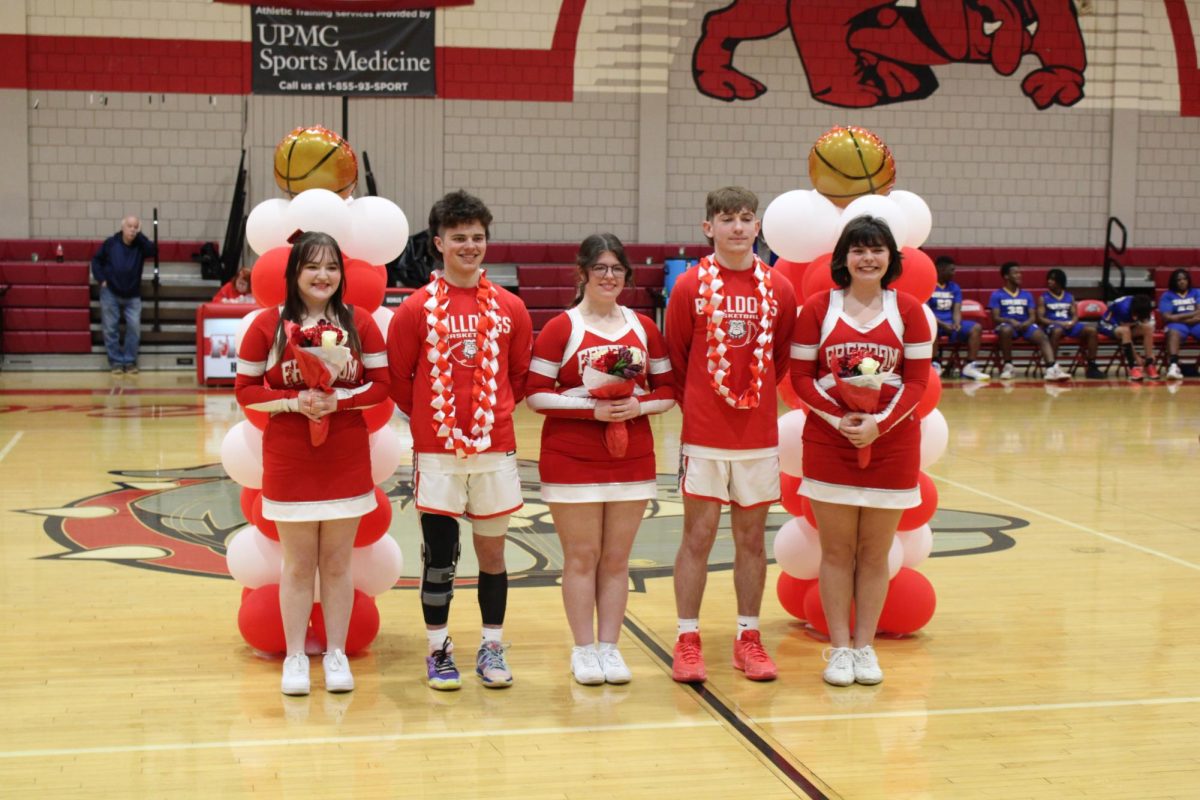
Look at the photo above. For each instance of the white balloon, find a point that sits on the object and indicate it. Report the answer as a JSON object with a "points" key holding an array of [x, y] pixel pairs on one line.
{"points": [[919, 217], [800, 225], [932, 320], [376, 567], [895, 557], [267, 225], [320, 210], [383, 318], [243, 326], [797, 549], [254, 440], [875, 205], [379, 230], [791, 443], [253, 559], [917, 543], [243, 466], [935, 435], [386, 454]]}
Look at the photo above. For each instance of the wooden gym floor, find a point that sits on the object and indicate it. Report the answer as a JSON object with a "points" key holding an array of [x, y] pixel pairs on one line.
{"points": [[1060, 663]]}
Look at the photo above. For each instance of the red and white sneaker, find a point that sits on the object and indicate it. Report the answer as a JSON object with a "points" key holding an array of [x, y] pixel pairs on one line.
{"points": [[1152, 371], [1135, 374], [688, 663], [751, 657]]}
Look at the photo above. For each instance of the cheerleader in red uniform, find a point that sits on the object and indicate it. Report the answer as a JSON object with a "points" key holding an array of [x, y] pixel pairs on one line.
{"points": [[315, 494], [597, 496], [858, 508]]}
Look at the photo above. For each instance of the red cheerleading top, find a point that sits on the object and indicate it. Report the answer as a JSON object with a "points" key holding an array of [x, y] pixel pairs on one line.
{"points": [[556, 385], [708, 421], [409, 367], [899, 338], [266, 380]]}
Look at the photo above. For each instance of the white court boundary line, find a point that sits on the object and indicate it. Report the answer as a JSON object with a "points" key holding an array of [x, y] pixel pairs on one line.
{"points": [[1106, 536], [956, 712], [60, 752], [342, 740], [11, 444]]}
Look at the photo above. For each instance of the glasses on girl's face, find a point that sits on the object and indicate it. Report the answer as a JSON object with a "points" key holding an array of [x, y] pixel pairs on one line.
{"points": [[607, 269]]}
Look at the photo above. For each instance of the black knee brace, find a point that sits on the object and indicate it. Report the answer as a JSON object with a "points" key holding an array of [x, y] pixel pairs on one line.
{"points": [[493, 597], [439, 558]]}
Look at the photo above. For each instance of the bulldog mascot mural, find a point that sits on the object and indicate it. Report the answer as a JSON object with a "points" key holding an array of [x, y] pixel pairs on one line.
{"points": [[859, 54]]}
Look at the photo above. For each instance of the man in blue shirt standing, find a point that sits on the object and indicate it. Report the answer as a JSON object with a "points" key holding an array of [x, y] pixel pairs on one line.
{"points": [[117, 267], [1013, 316]]}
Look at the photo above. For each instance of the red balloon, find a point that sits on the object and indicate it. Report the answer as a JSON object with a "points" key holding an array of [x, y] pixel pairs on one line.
{"points": [[918, 277], [266, 279], [818, 278], [909, 604], [787, 393], [791, 593], [364, 286], [364, 623], [933, 393], [789, 485], [814, 612], [916, 517], [246, 500], [792, 270], [260, 621], [245, 591], [378, 415], [257, 418], [807, 511], [374, 524], [266, 526]]}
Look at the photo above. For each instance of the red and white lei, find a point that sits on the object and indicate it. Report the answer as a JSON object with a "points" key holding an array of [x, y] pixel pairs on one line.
{"points": [[446, 424], [717, 331]]}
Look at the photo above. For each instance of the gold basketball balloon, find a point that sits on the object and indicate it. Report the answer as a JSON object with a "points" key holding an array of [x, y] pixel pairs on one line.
{"points": [[846, 163], [315, 158]]}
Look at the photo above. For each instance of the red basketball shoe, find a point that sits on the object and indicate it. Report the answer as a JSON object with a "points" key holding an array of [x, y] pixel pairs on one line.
{"points": [[688, 664], [1152, 371], [751, 658], [1135, 374]]}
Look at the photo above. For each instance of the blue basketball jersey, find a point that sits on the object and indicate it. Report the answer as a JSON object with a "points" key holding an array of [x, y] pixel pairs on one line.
{"points": [[1173, 303], [1058, 308], [1017, 307], [943, 301], [1119, 311]]}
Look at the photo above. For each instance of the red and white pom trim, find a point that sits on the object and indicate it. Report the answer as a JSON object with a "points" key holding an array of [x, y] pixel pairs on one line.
{"points": [[441, 379], [717, 331]]}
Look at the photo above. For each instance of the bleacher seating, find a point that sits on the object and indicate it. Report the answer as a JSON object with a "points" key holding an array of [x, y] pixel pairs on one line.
{"points": [[547, 289]]}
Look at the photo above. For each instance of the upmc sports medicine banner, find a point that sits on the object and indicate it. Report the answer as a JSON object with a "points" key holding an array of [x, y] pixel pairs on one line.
{"points": [[296, 51]]}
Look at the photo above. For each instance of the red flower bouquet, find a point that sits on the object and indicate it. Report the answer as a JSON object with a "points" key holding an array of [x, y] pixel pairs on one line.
{"points": [[320, 356], [859, 382], [612, 375]]}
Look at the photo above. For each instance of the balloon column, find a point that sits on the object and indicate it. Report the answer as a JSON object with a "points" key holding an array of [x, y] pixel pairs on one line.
{"points": [[370, 232], [853, 172]]}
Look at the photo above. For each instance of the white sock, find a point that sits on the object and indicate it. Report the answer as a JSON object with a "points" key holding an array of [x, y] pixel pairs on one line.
{"points": [[492, 635], [689, 626], [437, 637], [746, 624]]}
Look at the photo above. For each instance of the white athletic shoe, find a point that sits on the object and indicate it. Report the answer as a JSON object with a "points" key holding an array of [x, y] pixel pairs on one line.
{"points": [[1174, 373], [866, 666], [337, 672], [586, 667], [295, 675], [1006, 373], [1056, 373], [615, 669], [973, 372], [840, 671]]}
